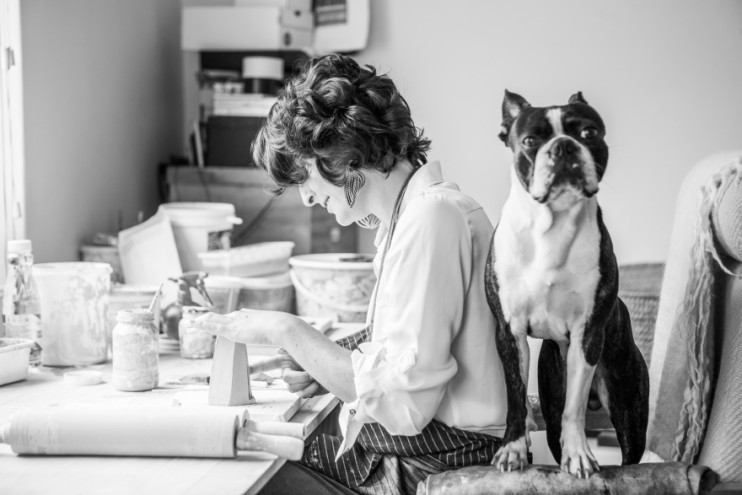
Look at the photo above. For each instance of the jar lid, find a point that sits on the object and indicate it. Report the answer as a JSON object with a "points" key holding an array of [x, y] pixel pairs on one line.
{"points": [[83, 378], [132, 315]]}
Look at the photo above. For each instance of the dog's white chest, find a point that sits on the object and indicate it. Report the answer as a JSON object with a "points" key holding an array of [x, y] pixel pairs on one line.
{"points": [[547, 279]]}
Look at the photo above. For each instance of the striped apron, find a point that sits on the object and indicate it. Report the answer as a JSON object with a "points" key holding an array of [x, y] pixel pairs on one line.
{"points": [[381, 463]]}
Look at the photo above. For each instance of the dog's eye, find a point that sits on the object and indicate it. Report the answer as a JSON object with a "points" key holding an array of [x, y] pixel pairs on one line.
{"points": [[529, 141], [589, 133]]}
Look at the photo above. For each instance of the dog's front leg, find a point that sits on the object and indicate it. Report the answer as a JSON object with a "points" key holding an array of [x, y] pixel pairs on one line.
{"points": [[577, 459], [512, 346]]}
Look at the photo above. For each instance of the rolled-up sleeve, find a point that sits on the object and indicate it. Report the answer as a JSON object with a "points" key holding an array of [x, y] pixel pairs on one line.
{"points": [[402, 374]]}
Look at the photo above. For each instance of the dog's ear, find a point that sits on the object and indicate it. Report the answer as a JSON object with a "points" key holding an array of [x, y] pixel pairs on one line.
{"points": [[512, 105], [578, 98]]}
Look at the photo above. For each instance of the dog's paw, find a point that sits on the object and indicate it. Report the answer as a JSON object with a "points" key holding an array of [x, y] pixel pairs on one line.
{"points": [[577, 459], [512, 456]]}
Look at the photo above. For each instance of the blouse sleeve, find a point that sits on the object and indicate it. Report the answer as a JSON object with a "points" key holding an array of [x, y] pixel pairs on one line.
{"points": [[401, 376]]}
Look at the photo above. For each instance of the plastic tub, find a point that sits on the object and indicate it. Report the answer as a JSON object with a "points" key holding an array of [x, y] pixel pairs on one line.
{"points": [[200, 227], [338, 285], [74, 301], [14, 355], [252, 260], [274, 293]]}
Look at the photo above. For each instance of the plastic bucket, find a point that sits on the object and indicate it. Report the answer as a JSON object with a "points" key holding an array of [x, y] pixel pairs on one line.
{"points": [[274, 293], [200, 227], [74, 300], [338, 285]]}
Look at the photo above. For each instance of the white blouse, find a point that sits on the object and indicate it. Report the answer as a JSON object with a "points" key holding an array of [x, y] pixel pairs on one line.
{"points": [[433, 352]]}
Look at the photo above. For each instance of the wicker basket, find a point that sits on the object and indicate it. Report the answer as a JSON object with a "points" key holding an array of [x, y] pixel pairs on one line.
{"points": [[639, 288]]}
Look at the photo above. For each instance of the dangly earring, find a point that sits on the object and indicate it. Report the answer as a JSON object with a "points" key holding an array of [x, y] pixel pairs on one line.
{"points": [[369, 222], [354, 181]]}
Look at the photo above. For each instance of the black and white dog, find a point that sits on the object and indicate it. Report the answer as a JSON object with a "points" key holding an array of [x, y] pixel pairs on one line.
{"points": [[552, 274]]}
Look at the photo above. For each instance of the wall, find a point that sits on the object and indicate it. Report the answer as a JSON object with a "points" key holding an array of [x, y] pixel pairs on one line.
{"points": [[103, 103], [664, 74], [102, 108]]}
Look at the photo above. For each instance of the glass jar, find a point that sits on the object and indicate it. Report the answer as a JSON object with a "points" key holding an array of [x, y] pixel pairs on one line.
{"points": [[194, 343], [135, 351]]}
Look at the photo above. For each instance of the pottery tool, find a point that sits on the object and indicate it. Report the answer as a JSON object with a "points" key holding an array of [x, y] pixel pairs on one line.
{"points": [[148, 431], [155, 298]]}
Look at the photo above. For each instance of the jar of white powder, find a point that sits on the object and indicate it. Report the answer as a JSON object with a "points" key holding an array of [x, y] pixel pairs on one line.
{"points": [[135, 351]]}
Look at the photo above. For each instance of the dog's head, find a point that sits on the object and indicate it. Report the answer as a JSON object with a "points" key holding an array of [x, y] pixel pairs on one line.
{"points": [[560, 151]]}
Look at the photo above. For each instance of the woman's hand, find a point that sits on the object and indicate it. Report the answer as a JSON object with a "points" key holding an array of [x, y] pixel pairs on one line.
{"points": [[248, 326], [299, 381]]}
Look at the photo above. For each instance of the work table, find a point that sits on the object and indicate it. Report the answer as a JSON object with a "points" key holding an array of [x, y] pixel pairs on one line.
{"points": [[246, 473]]}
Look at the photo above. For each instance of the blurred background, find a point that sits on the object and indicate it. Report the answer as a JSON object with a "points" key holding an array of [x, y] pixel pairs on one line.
{"points": [[108, 93]]}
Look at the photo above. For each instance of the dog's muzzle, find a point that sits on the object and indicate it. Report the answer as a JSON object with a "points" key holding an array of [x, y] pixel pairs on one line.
{"points": [[562, 164]]}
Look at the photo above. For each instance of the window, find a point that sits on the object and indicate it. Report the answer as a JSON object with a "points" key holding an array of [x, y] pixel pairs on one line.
{"points": [[12, 197]]}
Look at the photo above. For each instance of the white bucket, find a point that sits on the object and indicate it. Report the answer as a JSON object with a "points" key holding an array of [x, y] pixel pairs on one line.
{"points": [[273, 293], [338, 285], [200, 227], [74, 299]]}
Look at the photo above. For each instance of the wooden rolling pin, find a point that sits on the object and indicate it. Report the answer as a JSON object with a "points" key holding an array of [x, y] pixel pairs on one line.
{"points": [[150, 431]]}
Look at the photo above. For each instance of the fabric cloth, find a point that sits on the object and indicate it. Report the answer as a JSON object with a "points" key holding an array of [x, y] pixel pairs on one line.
{"points": [[432, 354], [672, 478], [681, 387]]}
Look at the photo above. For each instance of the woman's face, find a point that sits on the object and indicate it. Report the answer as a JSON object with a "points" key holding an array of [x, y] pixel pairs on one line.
{"points": [[317, 191]]}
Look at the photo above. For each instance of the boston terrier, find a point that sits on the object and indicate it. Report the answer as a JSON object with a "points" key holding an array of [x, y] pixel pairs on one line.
{"points": [[551, 274]]}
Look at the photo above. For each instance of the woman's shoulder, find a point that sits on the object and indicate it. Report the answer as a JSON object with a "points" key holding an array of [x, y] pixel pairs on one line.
{"points": [[445, 196], [443, 208]]}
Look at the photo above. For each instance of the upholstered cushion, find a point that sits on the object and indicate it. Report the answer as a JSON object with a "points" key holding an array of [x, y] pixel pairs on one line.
{"points": [[727, 219], [722, 444], [678, 263], [722, 447]]}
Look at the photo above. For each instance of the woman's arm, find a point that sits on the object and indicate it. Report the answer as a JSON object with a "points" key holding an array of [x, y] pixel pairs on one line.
{"points": [[327, 362], [324, 360], [302, 383]]}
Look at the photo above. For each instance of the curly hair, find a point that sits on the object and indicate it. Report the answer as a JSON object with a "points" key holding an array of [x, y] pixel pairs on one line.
{"points": [[343, 115]]}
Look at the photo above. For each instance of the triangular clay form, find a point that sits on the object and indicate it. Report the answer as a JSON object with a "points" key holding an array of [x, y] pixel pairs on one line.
{"points": [[229, 384]]}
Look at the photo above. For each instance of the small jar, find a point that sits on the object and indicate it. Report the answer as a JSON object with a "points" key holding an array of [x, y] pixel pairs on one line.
{"points": [[194, 343], [135, 351]]}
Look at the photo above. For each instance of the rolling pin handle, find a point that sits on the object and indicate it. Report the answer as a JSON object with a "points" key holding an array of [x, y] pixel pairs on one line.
{"points": [[282, 446], [282, 428]]}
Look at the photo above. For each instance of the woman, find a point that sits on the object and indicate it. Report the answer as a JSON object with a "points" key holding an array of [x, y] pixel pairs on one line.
{"points": [[426, 392]]}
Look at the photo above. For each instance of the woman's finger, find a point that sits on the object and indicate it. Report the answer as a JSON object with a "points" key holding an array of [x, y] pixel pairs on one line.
{"points": [[309, 391], [292, 376]]}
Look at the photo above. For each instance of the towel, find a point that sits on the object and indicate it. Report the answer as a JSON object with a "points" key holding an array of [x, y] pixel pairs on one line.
{"points": [[671, 478]]}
